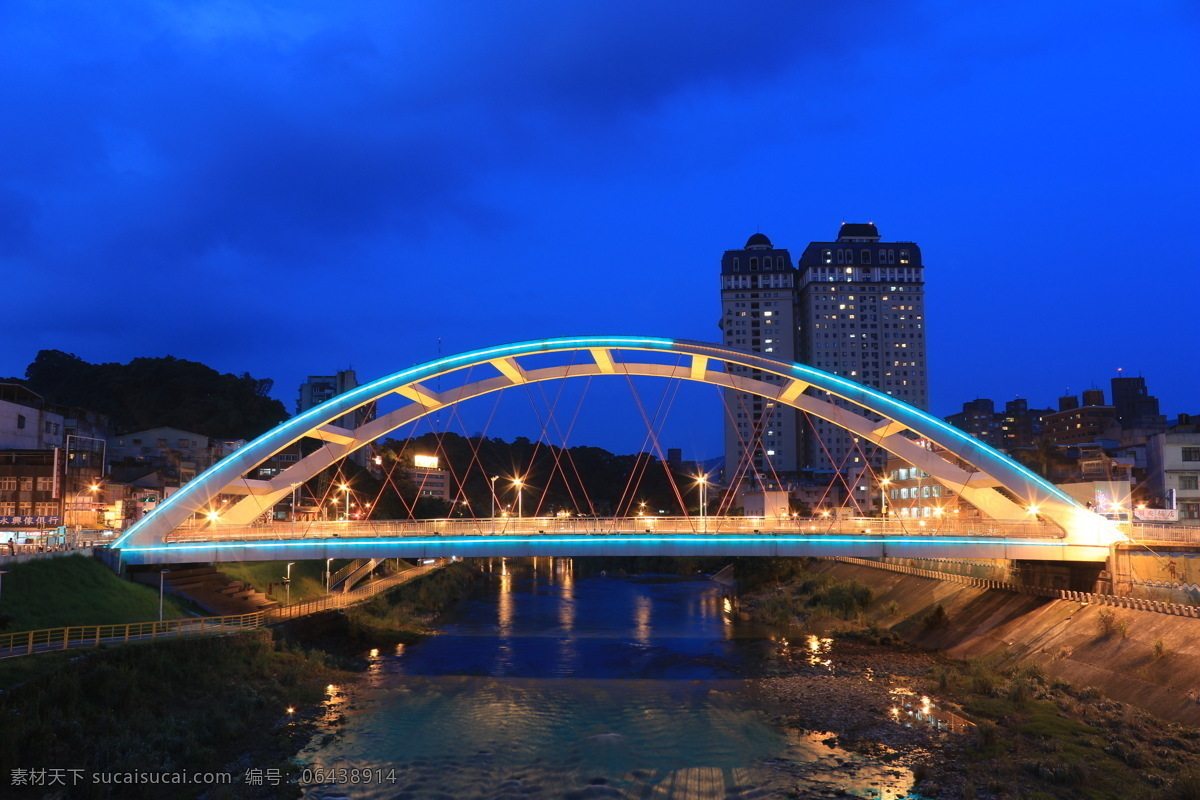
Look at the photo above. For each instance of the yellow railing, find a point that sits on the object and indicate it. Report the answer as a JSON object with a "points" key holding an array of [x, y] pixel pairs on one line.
{"points": [[26, 642], [23, 643]]}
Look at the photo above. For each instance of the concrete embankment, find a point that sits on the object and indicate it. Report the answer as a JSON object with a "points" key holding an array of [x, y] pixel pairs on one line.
{"points": [[1144, 658]]}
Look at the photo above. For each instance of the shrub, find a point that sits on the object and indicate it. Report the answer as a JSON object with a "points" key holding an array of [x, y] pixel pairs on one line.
{"points": [[1160, 649], [937, 618]]}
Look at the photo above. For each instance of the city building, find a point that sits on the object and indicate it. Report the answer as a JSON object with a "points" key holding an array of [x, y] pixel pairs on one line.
{"points": [[1074, 423], [758, 314], [1016, 428], [319, 388], [910, 493], [177, 455], [426, 474], [854, 307], [1173, 466], [861, 315]]}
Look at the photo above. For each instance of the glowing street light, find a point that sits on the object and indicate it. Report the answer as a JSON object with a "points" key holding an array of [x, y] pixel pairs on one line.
{"points": [[518, 483], [346, 489], [883, 484], [702, 481], [493, 479]]}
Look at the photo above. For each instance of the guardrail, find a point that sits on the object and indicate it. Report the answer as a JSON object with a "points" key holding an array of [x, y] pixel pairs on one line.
{"points": [[23, 643], [572, 526], [27, 642], [344, 599], [1091, 598], [1182, 534]]}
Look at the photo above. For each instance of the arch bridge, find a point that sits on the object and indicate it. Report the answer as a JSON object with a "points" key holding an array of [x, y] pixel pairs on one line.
{"points": [[1007, 493]]}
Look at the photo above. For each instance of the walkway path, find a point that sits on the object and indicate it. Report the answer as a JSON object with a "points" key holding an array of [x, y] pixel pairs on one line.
{"points": [[23, 643]]}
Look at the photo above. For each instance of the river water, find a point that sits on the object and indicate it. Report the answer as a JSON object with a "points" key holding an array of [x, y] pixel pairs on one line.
{"points": [[543, 684]]}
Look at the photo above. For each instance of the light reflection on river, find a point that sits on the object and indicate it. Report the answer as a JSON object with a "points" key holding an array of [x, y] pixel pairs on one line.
{"points": [[548, 685]]}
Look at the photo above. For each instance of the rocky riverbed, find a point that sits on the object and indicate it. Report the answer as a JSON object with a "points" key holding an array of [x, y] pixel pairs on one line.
{"points": [[965, 729]]}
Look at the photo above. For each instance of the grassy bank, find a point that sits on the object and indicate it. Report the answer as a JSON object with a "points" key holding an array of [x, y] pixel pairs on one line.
{"points": [[1040, 738], [308, 577], [402, 615], [75, 590], [785, 592], [194, 704]]}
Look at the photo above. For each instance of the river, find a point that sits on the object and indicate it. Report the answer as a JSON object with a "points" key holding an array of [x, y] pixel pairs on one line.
{"points": [[542, 684]]}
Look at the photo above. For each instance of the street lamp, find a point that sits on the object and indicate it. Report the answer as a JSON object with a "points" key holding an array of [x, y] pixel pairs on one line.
{"points": [[520, 498], [287, 581], [883, 484], [161, 574], [702, 480], [295, 486], [328, 566], [346, 489], [494, 479]]}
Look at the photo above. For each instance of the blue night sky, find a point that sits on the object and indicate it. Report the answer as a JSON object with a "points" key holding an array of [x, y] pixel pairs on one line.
{"points": [[293, 188]]}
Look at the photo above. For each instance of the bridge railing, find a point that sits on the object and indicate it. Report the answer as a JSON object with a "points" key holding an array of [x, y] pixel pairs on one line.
{"points": [[23, 643], [593, 526], [38, 641], [1183, 534]]}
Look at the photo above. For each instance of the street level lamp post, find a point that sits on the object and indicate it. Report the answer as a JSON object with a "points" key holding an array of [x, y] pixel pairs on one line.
{"points": [[328, 576], [520, 498], [883, 484], [287, 581], [161, 574], [702, 480], [494, 479]]}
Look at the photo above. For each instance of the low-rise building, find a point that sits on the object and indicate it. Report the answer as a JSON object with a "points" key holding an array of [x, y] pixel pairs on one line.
{"points": [[1173, 467]]}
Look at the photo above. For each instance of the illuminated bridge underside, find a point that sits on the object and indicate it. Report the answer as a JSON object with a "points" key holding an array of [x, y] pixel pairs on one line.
{"points": [[619, 545], [800, 386]]}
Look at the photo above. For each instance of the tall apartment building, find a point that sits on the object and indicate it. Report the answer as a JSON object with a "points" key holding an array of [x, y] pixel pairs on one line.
{"points": [[854, 307], [861, 315], [758, 313], [319, 388]]}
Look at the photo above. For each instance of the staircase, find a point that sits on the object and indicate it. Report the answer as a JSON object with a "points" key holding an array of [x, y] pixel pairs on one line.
{"points": [[213, 591], [358, 569]]}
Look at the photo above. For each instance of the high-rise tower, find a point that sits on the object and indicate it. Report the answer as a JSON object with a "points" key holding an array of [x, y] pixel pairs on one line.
{"points": [[861, 315], [758, 313]]}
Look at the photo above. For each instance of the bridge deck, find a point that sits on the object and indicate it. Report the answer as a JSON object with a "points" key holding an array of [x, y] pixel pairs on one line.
{"points": [[526, 541]]}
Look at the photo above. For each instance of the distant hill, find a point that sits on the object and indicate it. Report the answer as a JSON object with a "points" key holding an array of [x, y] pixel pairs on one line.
{"points": [[150, 392]]}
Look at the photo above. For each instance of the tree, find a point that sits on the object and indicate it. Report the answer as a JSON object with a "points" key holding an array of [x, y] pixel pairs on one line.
{"points": [[154, 392]]}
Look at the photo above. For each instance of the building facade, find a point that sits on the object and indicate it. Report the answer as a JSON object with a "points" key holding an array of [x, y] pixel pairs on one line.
{"points": [[853, 307], [758, 314], [1173, 466], [861, 315]]}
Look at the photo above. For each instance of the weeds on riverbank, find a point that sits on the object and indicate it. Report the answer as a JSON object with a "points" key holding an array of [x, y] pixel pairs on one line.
{"points": [[1053, 740], [405, 613], [193, 704], [809, 597]]}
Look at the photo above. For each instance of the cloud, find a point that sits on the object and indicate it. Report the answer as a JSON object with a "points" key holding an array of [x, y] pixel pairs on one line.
{"points": [[164, 133]]}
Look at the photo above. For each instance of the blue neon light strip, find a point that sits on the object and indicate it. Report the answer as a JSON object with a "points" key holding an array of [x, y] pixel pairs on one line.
{"points": [[903, 409], [599, 539], [274, 440], [241, 461]]}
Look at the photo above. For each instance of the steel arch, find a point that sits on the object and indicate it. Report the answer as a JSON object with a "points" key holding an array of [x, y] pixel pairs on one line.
{"points": [[707, 363]]}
